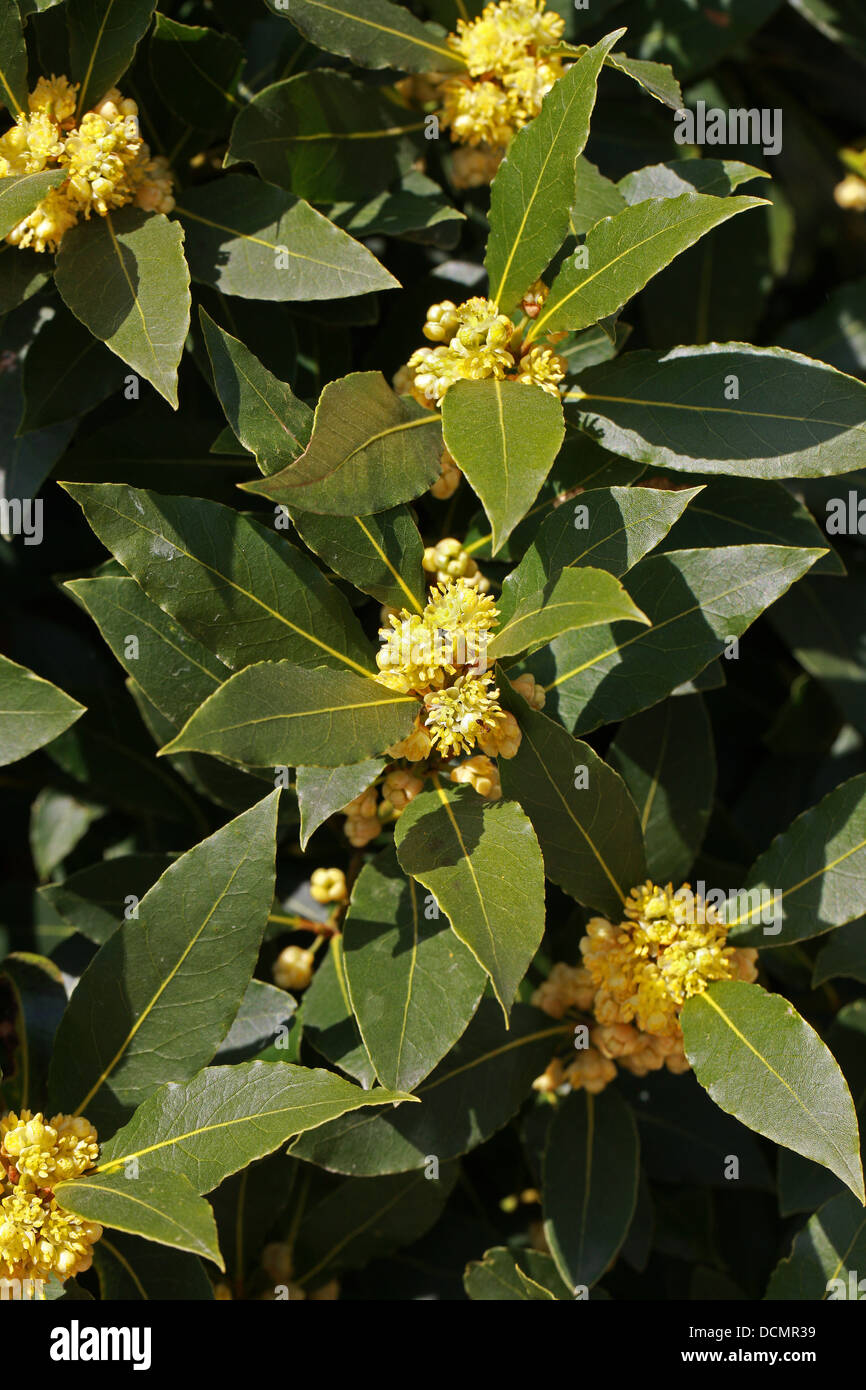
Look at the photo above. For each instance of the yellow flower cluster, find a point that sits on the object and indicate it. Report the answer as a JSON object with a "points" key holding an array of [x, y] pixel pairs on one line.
{"points": [[475, 342], [328, 886], [507, 71], [106, 161], [37, 1237], [441, 656], [634, 979]]}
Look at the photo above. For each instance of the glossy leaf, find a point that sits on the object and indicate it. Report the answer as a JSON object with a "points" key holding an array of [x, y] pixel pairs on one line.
{"points": [[195, 71], [381, 554], [33, 711], [665, 757], [482, 863], [184, 963], [486, 425], [624, 252], [209, 1127], [695, 599], [13, 67], [94, 900], [236, 587], [581, 810], [326, 137], [247, 238], [321, 718], [264, 413], [472, 1093], [370, 450], [413, 986], [373, 33], [763, 1063], [324, 790], [827, 1257], [163, 1207], [576, 599], [133, 1269], [792, 417], [38, 999], [590, 1178], [532, 192], [142, 309], [501, 1277], [812, 878], [103, 36]]}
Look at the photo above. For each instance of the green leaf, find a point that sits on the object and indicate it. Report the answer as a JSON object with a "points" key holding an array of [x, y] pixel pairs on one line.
{"points": [[22, 273], [321, 718], [326, 137], [595, 197], [103, 37], [364, 1219], [482, 863], [13, 67], [533, 190], [414, 209], [746, 511], [19, 196], [225, 1117], [264, 413], [159, 997], [827, 1257], [247, 238], [175, 672], [590, 1178], [582, 813], [792, 417], [263, 1013], [577, 599], [666, 758], [329, 1024], [324, 790], [66, 372], [812, 878], [94, 900], [232, 585], [195, 71], [58, 822], [473, 1092], [677, 176], [500, 1277], [762, 1062], [38, 1000], [162, 1207], [656, 78], [608, 528], [486, 425], [32, 711], [373, 33], [843, 955], [133, 1270], [381, 555], [624, 252], [824, 632], [413, 987], [134, 261], [370, 449], [695, 599]]}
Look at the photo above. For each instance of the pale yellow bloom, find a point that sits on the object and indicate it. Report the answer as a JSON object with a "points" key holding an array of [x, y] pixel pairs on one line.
{"points": [[293, 968], [328, 886], [481, 773]]}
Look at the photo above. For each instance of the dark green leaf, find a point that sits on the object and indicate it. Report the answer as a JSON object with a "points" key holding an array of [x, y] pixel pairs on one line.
{"points": [[19, 196], [576, 599], [324, 790], [103, 36], [163, 1207], [33, 711], [827, 1258], [195, 71], [373, 33]]}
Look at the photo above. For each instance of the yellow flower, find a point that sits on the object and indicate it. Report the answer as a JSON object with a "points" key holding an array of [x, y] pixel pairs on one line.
{"points": [[473, 344], [482, 774], [664, 952], [541, 367], [459, 714], [507, 74], [448, 560], [48, 1153], [106, 162], [400, 787]]}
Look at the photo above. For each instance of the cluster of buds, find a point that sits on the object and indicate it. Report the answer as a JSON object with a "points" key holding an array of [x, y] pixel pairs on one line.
{"points": [[450, 476], [634, 979], [448, 560], [440, 655], [107, 163], [475, 342], [38, 1238], [507, 73]]}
